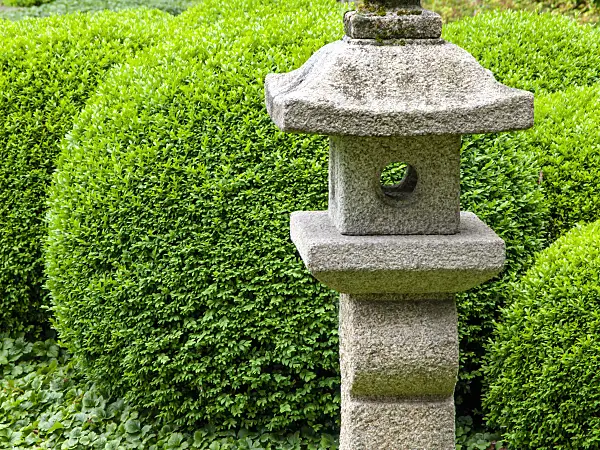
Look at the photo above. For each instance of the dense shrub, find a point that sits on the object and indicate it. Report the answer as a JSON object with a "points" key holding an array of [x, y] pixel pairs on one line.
{"points": [[564, 147], [25, 3], [53, 7], [172, 273], [499, 182], [566, 142], [48, 68], [540, 53], [544, 366]]}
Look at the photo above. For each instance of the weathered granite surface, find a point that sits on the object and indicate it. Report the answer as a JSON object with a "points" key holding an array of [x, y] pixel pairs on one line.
{"points": [[398, 347], [399, 364], [413, 23], [397, 263], [388, 4], [428, 202], [394, 90], [397, 424]]}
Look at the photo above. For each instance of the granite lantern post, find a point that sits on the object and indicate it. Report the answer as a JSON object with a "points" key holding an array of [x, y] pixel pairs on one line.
{"points": [[393, 91]]}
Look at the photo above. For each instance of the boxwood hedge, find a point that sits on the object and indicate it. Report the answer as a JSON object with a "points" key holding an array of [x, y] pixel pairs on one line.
{"points": [[544, 365], [564, 149], [567, 146], [45, 8], [540, 53], [173, 277], [499, 182], [48, 68]]}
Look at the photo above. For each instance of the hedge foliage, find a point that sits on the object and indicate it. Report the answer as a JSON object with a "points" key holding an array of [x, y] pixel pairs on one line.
{"points": [[544, 366], [541, 53], [48, 69], [566, 142], [190, 110], [564, 150], [44, 8], [499, 183], [172, 273]]}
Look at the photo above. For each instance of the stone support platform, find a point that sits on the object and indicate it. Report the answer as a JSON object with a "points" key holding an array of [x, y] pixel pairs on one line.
{"points": [[407, 264], [399, 360]]}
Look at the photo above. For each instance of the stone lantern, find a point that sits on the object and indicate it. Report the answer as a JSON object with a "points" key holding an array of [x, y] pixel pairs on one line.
{"points": [[393, 91]]}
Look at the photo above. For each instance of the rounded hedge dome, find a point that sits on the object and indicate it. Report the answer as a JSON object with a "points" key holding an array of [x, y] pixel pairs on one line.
{"points": [[172, 274], [544, 365]]}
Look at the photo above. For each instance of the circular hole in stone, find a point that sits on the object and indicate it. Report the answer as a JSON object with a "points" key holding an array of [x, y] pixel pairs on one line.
{"points": [[398, 181]]}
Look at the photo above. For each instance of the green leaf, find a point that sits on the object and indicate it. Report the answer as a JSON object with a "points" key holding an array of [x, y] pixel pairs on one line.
{"points": [[56, 426], [133, 426]]}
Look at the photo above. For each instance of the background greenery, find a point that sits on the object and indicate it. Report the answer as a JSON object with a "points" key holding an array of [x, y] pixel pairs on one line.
{"points": [[44, 8], [25, 3]]}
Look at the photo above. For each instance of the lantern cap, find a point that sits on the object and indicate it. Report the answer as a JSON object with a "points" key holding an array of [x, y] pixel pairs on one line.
{"points": [[415, 87]]}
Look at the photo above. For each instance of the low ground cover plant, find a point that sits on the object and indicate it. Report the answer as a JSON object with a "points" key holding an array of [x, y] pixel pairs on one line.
{"points": [[544, 365], [46, 403], [48, 68]]}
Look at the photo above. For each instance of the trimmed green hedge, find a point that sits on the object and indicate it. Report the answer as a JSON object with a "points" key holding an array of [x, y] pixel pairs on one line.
{"points": [[173, 277], [567, 145], [540, 53], [564, 149], [544, 366], [25, 3], [47, 8], [499, 183], [48, 68]]}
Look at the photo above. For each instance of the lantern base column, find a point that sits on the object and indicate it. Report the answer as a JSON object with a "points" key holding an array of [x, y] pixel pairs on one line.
{"points": [[397, 425], [399, 364]]}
